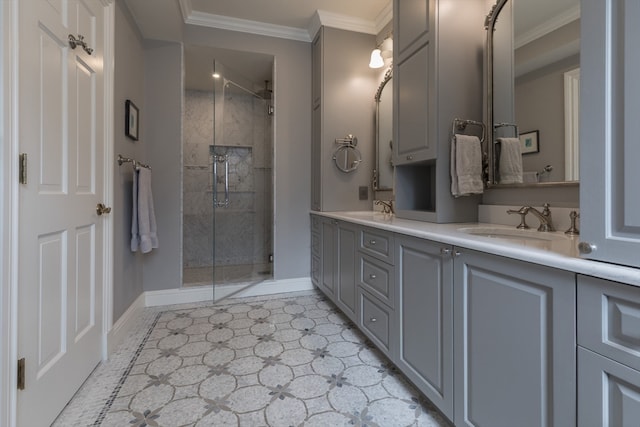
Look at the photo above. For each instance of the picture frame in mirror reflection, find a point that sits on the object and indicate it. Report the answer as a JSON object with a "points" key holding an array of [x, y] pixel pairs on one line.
{"points": [[530, 142], [131, 125]]}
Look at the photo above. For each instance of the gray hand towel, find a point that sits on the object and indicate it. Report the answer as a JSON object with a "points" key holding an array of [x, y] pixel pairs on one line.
{"points": [[510, 161], [466, 165]]}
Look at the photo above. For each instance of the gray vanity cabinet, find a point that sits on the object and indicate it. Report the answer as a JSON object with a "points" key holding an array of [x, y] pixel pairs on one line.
{"points": [[376, 288], [609, 129], [339, 108], [608, 353], [328, 258], [424, 272], [316, 246], [337, 263], [346, 271], [515, 348]]}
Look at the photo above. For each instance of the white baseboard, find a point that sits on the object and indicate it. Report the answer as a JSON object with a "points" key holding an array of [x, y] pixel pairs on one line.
{"points": [[205, 293], [123, 325]]}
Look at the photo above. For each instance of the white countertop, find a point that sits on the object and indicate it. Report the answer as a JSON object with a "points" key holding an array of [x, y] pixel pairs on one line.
{"points": [[561, 252]]}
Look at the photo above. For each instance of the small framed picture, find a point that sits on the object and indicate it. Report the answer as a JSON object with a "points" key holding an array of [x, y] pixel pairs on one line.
{"points": [[131, 125], [530, 142]]}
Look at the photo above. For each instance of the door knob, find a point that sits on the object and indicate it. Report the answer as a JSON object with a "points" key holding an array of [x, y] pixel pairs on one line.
{"points": [[102, 209]]}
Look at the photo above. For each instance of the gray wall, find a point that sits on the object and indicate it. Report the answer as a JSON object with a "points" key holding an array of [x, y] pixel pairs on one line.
{"points": [[292, 122], [162, 122], [128, 84]]}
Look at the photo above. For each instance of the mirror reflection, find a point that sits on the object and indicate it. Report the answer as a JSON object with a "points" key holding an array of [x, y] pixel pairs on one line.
{"points": [[383, 172], [534, 76]]}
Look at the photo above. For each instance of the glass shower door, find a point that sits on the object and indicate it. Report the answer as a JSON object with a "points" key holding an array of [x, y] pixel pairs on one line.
{"points": [[241, 182]]}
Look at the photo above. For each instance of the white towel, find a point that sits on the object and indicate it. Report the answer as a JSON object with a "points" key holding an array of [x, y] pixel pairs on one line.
{"points": [[135, 237], [466, 165], [510, 161], [147, 238]]}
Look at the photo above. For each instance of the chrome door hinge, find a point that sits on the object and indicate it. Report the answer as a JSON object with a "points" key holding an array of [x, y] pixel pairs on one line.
{"points": [[21, 373], [23, 168]]}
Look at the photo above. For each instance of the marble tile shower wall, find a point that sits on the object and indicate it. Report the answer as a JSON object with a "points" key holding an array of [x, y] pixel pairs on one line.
{"points": [[243, 229]]}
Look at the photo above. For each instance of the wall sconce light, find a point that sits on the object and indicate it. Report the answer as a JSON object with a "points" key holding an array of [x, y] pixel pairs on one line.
{"points": [[376, 59], [381, 53]]}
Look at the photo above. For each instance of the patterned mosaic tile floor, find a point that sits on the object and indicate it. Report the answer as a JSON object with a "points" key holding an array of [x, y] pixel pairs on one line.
{"points": [[288, 360]]}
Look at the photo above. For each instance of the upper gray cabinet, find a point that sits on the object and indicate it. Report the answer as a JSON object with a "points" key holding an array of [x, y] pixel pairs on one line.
{"points": [[610, 91], [437, 77]]}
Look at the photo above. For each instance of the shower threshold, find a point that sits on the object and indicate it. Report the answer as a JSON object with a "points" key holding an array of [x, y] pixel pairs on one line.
{"points": [[226, 274]]}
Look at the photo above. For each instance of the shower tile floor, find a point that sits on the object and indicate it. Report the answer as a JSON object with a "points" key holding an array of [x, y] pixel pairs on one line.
{"points": [[226, 274], [282, 360]]}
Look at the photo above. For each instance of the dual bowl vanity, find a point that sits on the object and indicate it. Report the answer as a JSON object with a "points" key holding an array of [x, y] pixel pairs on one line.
{"points": [[493, 324]]}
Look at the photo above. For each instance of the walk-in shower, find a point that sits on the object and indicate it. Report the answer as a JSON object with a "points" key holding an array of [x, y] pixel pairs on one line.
{"points": [[227, 178]]}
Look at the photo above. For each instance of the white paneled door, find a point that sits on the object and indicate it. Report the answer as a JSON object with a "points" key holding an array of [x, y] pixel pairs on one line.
{"points": [[61, 128]]}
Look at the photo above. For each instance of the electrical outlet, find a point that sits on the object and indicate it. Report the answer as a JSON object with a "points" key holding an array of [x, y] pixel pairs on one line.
{"points": [[363, 192]]}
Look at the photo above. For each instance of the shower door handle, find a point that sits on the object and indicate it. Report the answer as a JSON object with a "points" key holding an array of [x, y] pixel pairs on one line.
{"points": [[221, 159]]}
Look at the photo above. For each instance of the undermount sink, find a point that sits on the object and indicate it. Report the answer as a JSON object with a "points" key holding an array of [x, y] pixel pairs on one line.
{"points": [[513, 234]]}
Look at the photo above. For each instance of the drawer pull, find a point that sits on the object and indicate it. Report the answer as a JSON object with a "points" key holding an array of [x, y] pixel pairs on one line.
{"points": [[373, 320], [372, 276], [372, 242]]}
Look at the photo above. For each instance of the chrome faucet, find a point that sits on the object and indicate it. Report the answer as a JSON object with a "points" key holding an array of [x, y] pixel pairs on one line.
{"points": [[387, 207], [546, 224]]}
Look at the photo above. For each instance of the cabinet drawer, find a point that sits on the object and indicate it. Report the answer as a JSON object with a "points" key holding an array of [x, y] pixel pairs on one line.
{"points": [[375, 321], [608, 392], [377, 243], [377, 277], [609, 319]]}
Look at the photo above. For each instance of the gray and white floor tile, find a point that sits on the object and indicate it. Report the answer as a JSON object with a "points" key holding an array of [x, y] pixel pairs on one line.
{"points": [[287, 360]]}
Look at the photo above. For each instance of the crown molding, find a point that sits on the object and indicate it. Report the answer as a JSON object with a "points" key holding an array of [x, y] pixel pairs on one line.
{"points": [[384, 17], [319, 19], [548, 26], [244, 25], [186, 8]]}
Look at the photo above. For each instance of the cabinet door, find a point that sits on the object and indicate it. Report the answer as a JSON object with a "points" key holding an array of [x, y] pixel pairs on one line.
{"points": [[425, 286], [515, 348], [608, 392], [413, 93], [328, 259], [609, 129], [347, 268], [411, 23]]}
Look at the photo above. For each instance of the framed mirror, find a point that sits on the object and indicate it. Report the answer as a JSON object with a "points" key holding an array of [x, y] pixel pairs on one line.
{"points": [[532, 88], [383, 172]]}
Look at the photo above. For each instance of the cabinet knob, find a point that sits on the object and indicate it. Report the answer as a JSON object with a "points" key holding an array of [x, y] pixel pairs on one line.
{"points": [[445, 251], [457, 253], [586, 247], [373, 320], [372, 276], [409, 157], [372, 242]]}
